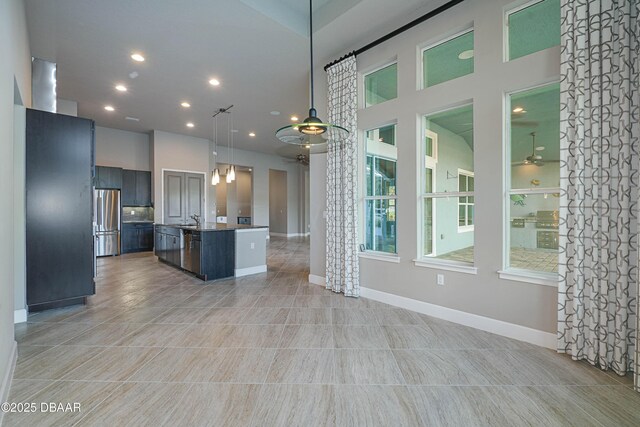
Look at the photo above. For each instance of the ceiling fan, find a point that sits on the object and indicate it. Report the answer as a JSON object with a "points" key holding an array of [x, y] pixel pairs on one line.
{"points": [[533, 159], [301, 158]]}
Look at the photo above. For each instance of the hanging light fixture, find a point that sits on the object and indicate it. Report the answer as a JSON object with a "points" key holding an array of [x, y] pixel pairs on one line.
{"points": [[311, 130], [215, 174], [232, 168]]}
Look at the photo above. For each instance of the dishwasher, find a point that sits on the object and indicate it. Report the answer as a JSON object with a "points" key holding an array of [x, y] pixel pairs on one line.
{"points": [[190, 259]]}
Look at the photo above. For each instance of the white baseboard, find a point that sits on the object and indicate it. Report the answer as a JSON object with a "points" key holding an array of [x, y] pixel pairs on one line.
{"points": [[239, 272], [289, 235], [20, 316], [8, 376], [317, 280], [509, 330]]}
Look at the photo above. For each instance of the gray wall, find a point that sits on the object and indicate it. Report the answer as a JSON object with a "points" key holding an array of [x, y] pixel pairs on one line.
{"points": [[246, 256], [19, 208], [182, 153], [277, 201], [485, 294], [122, 149], [15, 73], [260, 163]]}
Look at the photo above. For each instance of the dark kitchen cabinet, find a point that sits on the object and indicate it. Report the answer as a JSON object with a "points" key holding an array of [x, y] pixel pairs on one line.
{"points": [[137, 238], [59, 209], [136, 188], [108, 178]]}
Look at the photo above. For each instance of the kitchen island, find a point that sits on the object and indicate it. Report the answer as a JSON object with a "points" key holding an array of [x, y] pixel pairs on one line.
{"points": [[213, 251]]}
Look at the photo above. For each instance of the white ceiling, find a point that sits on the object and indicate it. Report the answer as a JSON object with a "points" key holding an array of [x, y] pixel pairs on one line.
{"points": [[258, 49]]}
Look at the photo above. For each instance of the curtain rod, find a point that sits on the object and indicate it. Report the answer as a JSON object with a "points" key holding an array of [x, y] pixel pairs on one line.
{"points": [[400, 30]]}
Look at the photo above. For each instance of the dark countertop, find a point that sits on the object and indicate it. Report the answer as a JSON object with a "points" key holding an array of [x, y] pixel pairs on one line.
{"points": [[137, 222], [212, 226]]}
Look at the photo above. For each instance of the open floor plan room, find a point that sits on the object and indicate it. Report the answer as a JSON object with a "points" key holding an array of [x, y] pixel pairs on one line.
{"points": [[162, 348]]}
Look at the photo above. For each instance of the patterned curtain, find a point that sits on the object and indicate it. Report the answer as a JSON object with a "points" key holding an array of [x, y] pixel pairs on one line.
{"points": [[343, 272], [599, 162]]}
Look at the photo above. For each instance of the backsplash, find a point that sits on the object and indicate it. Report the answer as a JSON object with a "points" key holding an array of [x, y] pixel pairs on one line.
{"points": [[132, 214]]}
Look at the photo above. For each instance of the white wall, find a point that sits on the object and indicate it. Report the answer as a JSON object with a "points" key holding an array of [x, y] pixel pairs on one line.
{"points": [[485, 294], [122, 149], [15, 74], [260, 163], [180, 153]]}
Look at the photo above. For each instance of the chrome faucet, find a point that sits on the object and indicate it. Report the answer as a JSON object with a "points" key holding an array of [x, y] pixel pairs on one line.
{"points": [[196, 218]]}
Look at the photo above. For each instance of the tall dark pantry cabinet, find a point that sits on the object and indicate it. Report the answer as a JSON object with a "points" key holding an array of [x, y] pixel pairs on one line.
{"points": [[59, 211]]}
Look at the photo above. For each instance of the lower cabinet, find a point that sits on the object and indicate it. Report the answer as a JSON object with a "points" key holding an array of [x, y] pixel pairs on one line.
{"points": [[167, 244], [137, 238]]}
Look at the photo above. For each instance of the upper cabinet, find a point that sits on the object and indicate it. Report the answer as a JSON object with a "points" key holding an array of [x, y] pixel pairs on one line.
{"points": [[136, 188], [108, 178]]}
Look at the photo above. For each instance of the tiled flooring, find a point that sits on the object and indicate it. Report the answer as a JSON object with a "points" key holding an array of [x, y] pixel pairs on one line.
{"points": [[157, 347], [527, 259]]}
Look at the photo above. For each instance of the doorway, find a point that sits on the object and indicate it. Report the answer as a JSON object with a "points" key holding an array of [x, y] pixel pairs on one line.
{"points": [[183, 196], [277, 202]]}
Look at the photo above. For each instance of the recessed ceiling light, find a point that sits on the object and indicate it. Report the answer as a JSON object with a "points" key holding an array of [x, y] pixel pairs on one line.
{"points": [[540, 148], [251, 134], [294, 118], [275, 113], [190, 125], [214, 82], [137, 57], [467, 54], [518, 110], [185, 104], [109, 108], [121, 88]]}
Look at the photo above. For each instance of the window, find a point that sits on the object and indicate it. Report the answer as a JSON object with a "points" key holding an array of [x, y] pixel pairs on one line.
{"points": [[381, 196], [448, 182], [533, 27], [448, 60], [534, 179], [465, 203], [381, 85]]}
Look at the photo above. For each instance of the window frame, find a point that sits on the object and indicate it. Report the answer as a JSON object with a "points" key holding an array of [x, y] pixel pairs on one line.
{"points": [[508, 272], [421, 79], [364, 84], [423, 260], [366, 198], [468, 227]]}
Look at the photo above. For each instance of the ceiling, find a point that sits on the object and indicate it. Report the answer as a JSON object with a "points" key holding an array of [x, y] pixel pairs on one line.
{"points": [[256, 48]]}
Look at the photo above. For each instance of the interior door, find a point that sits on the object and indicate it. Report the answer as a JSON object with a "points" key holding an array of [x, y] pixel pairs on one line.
{"points": [[194, 195], [174, 203], [183, 196]]}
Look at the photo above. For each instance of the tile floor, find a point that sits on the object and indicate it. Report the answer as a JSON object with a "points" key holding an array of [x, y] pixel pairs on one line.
{"points": [[158, 347]]}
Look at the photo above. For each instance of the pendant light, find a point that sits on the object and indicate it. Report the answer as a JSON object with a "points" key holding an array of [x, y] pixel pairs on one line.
{"points": [[311, 131], [215, 174], [232, 168]]}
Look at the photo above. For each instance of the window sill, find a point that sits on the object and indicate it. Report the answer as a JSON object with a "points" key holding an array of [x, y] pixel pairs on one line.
{"points": [[537, 278], [443, 265], [378, 256]]}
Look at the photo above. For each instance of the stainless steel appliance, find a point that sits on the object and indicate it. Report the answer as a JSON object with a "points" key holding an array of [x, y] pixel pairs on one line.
{"points": [[107, 219], [547, 223], [190, 254]]}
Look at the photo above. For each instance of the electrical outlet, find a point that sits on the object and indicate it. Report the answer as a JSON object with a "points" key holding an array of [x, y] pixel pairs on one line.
{"points": [[440, 279], [253, 245]]}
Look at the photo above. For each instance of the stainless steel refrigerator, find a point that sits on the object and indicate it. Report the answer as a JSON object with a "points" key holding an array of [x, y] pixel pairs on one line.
{"points": [[107, 220]]}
